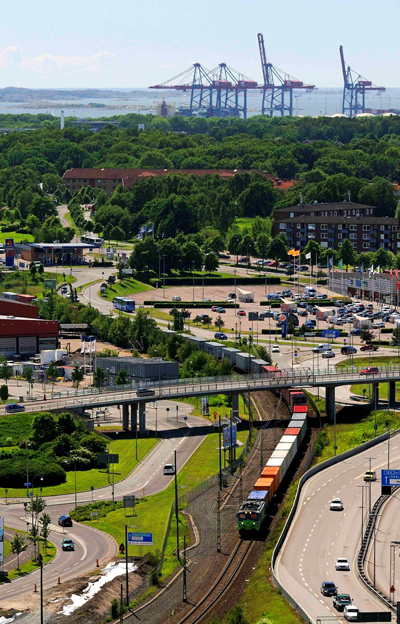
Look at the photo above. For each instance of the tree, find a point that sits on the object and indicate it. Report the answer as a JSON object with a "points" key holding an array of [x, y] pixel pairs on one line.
{"points": [[34, 537], [18, 546], [262, 245], [3, 393], [44, 429], [247, 246], [45, 531], [100, 377], [211, 262], [278, 250], [27, 374], [53, 373], [366, 335], [347, 253], [121, 378], [33, 270], [6, 372], [192, 256], [258, 199], [66, 424], [41, 269], [217, 243], [219, 323], [77, 376], [315, 249], [383, 258]]}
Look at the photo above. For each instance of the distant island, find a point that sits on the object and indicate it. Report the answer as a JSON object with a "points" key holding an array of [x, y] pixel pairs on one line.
{"points": [[16, 94]]}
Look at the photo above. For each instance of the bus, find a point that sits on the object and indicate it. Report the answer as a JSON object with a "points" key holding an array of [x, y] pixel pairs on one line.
{"points": [[124, 304], [92, 240]]}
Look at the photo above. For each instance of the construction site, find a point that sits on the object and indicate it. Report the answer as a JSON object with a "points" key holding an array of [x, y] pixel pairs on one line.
{"points": [[223, 91]]}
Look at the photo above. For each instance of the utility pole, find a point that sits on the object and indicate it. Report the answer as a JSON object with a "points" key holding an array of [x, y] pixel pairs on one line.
{"points": [[126, 566], [219, 521], [121, 605], [220, 453], [184, 597], [393, 546], [40, 557], [176, 508]]}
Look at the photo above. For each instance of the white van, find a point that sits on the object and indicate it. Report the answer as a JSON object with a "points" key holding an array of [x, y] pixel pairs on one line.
{"points": [[310, 291], [322, 348]]}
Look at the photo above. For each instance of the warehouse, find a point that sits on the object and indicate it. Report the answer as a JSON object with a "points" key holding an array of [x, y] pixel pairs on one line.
{"points": [[26, 336], [138, 369], [8, 307]]}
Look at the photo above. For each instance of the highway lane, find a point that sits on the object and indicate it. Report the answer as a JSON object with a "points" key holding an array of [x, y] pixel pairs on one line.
{"points": [[318, 536]]}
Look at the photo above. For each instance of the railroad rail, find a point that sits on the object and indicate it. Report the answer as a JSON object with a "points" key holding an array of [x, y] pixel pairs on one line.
{"points": [[222, 584]]}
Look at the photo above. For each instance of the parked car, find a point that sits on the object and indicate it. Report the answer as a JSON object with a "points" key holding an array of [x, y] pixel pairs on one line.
{"points": [[369, 347], [220, 336], [220, 309], [370, 370], [340, 601], [223, 256], [13, 408], [329, 354], [169, 469], [336, 504], [68, 544], [244, 259], [241, 313], [287, 293], [145, 392], [328, 588], [176, 298], [342, 564], [321, 297], [378, 325], [302, 313], [232, 295], [355, 332], [276, 349]]}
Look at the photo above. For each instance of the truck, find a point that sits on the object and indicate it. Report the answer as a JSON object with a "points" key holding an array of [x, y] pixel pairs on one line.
{"points": [[340, 601]]}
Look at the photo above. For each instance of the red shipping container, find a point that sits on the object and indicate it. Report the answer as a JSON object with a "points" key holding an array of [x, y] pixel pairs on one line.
{"points": [[300, 409], [292, 431]]}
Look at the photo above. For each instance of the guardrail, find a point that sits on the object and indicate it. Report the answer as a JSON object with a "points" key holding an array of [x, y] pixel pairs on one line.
{"points": [[310, 473], [240, 383]]}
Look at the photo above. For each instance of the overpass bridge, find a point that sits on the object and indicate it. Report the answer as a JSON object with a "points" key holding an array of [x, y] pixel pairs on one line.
{"points": [[303, 378]]}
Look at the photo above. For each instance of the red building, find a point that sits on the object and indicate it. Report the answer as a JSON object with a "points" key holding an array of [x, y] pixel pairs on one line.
{"points": [[26, 336], [8, 307]]}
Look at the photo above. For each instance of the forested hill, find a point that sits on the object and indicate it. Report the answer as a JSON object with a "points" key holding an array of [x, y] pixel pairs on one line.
{"points": [[328, 157]]}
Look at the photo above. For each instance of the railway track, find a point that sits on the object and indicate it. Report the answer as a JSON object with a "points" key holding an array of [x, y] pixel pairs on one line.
{"points": [[221, 585]]}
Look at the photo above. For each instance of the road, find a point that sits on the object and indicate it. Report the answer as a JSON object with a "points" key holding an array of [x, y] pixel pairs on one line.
{"points": [[318, 536]]}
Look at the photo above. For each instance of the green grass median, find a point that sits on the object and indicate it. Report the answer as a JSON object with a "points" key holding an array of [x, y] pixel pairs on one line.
{"points": [[96, 477], [30, 566], [124, 288]]}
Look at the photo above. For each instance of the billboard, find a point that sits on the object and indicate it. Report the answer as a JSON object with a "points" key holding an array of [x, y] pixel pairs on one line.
{"points": [[204, 405], [330, 333], [283, 318], [1, 540], [390, 477], [140, 539], [230, 435], [50, 284], [108, 458], [10, 253]]}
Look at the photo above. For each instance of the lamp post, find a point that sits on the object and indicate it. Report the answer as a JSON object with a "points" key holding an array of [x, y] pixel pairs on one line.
{"points": [[27, 446], [164, 275], [193, 278], [362, 510]]}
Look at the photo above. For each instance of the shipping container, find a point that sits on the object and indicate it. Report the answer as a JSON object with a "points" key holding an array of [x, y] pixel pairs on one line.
{"points": [[292, 431], [230, 354], [300, 409], [243, 361], [273, 472], [265, 483], [257, 366], [292, 439], [213, 348]]}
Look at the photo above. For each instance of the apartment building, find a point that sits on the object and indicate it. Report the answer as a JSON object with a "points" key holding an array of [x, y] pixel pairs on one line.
{"points": [[330, 224]]}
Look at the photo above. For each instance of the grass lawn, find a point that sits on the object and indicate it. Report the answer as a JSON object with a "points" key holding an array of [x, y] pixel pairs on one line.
{"points": [[22, 282], [124, 288], [96, 476], [164, 316], [31, 566], [7, 548], [16, 236], [153, 512], [16, 428], [385, 360], [218, 403], [243, 222]]}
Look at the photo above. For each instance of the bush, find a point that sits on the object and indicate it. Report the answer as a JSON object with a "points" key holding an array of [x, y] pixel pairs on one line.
{"points": [[93, 443], [216, 281], [13, 473], [321, 442]]}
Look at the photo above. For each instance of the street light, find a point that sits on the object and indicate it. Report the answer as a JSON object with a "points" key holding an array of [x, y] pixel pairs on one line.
{"points": [[27, 446]]}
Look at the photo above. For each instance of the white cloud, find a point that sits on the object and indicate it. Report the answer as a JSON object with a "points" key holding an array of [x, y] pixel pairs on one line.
{"points": [[48, 63], [10, 56], [167, 65]]}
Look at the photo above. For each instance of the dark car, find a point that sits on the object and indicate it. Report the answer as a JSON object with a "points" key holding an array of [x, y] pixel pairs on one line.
{"points": [[65, 521], [220, 336], [12, 408], [355, 332], [328, 588], [340, 601], [223, 256], [302, 313], [369, 347], [348, 350], [145, 392]]}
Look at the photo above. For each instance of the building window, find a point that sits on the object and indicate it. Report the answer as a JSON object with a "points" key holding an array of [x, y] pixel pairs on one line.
{"points": [[365, 245], [389, 227], [353, 236], [365, 236], [355, 245], [353, 228], [324, 226], [382, 237], [324, 244], [335, 213], [339, 235], [98, 181], [311, 235], [382, 245], [298, 234], [311, 226], [365, 228], [282, 226], [382, 228], [339, 226], [298, 226], [312, 214], [292, 215], [324, 235], [345, 213]]}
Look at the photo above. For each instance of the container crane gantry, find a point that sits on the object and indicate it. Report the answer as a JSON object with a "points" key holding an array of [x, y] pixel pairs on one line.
{"points": [[276, 84], [355, 88], [220, 92]]}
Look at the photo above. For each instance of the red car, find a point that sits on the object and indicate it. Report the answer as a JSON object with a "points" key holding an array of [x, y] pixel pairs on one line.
{"points": [[214, 308], [241, 313], [370, 370], [369, 347]]}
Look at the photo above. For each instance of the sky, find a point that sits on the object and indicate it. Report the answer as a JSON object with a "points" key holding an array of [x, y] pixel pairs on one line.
{"points": [[126, 43]]}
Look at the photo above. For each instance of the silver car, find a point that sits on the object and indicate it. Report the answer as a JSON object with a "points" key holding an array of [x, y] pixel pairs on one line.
{"points": [[336, 504], [342, 564]]}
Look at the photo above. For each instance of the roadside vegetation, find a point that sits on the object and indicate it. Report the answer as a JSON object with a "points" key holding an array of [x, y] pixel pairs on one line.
{"points": [[124, 288]]}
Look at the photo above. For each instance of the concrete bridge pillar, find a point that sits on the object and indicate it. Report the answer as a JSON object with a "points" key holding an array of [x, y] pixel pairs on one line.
{"points": [[142, 417], [392, 394], [330, 403], [375, 393], [134, 416], [125, 416]]}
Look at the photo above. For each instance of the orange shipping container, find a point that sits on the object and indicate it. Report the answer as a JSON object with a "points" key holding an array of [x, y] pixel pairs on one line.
{"points": [[265, 483], [272, 472], [292, 431]]}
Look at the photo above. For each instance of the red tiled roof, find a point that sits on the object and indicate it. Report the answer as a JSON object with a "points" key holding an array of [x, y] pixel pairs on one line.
{"points": [[128, 176]]}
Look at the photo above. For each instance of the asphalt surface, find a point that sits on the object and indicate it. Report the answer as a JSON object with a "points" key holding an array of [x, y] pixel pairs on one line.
{"points": [[318, 536]]}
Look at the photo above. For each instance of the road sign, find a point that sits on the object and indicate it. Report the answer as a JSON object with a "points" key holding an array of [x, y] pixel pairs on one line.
{"points": [[50, 284], [27, 484], [229, 435], [330, 333], [108, 458], [140, 539], [309, 334], [129, 501], [374, 616], [253, 316], [344, 340], [94, 514], [390, 477], [185, 418]]}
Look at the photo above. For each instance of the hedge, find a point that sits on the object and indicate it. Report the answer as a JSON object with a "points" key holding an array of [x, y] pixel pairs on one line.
{"points": [[215, 281], [319, 303], [187, 304], [13, 473], [316, 332]]}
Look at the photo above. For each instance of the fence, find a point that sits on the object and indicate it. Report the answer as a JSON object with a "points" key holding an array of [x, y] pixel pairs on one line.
{"points": [[310, 473]]}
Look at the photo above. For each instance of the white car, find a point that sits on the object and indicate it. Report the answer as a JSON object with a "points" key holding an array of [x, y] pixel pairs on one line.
{"points": [[350, 613], [169, 469], [342, 564], [176, 298], [228, 300], [276, 349], [336, 504], [378, 325]]}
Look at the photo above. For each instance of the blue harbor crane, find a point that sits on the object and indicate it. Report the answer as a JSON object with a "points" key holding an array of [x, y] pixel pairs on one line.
{"points": [[355, 88], [278, 87]]}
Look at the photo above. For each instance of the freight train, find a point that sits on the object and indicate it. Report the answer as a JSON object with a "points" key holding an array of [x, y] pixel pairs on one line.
{"points": [[252, 512]]}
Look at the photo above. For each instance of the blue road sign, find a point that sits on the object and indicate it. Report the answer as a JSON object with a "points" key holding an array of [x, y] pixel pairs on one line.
{"points": [[344, 340], [27, 484], [140, 539], [31, 494], [185, 418], [296, 354], [330, 333], [390, 477]]}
